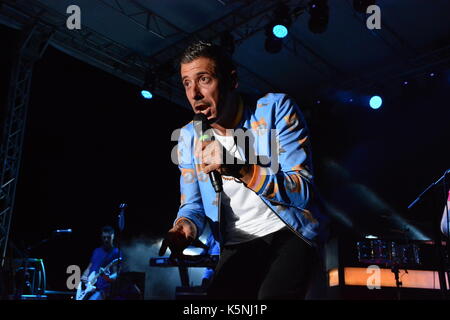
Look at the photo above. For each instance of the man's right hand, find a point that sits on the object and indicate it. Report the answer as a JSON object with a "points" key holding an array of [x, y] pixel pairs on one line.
{"points": [[178, 238], [84, 278]]}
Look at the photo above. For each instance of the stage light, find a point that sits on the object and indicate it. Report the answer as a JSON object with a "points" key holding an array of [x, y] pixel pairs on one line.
{"points": [[149, 86], [277, 29], [280, 31], [376, 102], [432, 74], [146, 94], [361, 5], [319, 15]]}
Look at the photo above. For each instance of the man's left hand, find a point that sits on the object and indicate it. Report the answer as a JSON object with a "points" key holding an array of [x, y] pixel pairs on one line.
{"points": [[210, 155]]}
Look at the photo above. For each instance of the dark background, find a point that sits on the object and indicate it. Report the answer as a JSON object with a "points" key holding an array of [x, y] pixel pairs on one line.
{"points": [[92, 142]]}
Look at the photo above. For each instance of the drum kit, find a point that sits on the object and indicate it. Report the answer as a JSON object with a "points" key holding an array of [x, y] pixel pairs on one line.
{"points": [[388, 253]]}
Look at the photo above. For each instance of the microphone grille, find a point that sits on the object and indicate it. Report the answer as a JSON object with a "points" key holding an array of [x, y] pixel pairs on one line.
{"points": [[200, 117]]}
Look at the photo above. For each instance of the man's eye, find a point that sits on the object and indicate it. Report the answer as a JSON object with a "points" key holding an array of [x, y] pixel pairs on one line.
{"points": [[186, 83], [204, 79]]}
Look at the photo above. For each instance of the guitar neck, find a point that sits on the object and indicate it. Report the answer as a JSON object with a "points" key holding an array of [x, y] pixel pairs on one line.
{"points": [[105, 268]]}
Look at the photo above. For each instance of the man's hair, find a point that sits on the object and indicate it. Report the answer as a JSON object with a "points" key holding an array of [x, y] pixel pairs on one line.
{"points": [[220, 55], [108, 229]]}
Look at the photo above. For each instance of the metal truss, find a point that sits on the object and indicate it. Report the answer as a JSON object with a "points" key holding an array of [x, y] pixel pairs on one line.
{"points": [[144, 18], [248, 18], [386, 34], [31, 49], [85, 44], [431, 61], [242, 23]]}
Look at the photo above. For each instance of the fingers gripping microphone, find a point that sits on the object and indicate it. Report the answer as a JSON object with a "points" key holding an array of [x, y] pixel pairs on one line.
{"points": [[201, 127]]}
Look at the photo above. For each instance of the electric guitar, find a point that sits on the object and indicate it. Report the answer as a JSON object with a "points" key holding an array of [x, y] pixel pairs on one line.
{"points": [[84, 289]]}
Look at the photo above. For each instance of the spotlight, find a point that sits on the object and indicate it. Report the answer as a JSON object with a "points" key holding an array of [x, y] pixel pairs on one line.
{"points": [[375, 102], [146, 94], [280, 31], [277, 29], [319, 16], [361, 5], [149, 86]]}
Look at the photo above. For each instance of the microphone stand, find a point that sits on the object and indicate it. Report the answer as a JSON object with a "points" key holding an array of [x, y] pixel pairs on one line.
{"points": [[443, 264], [121, 227], [419, 198]]}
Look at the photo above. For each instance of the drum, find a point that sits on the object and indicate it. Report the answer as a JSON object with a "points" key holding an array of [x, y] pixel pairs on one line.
{"points": [[375, 251], [388, 253], [406, 254]]}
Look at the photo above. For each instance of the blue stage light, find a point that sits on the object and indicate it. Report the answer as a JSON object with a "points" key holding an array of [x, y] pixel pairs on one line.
{"points": [[146, 94], [280, 31], [376, 102]]}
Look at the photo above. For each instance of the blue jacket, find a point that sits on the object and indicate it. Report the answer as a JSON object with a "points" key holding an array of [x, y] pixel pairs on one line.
{"points": [[282, 179]]}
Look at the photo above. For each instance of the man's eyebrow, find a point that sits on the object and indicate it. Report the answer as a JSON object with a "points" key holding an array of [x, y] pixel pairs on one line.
{"points": [[198, 74]]}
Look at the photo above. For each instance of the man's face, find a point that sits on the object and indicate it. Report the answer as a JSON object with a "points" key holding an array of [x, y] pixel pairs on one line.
{"points": [[107, 239], [203, 88]]}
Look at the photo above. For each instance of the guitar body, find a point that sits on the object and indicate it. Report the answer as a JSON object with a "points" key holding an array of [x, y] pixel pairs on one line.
{"points": [[84, 289]]}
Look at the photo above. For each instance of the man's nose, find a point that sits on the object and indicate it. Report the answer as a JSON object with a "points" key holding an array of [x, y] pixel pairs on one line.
{"points": [[196, 94]]}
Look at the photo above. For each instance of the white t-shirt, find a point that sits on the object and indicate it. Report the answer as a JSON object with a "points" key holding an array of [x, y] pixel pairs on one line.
{"points": [[245, 215]]}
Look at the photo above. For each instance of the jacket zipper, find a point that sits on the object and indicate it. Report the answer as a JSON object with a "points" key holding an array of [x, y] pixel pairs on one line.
{"points": [[292, 229]]}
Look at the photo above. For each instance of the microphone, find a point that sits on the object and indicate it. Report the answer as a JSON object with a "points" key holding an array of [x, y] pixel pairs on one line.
{"points": [[63, 231], [201, 127]]}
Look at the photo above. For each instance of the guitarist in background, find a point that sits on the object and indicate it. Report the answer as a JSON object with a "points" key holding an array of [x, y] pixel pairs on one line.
{"points": [[100, 258]]}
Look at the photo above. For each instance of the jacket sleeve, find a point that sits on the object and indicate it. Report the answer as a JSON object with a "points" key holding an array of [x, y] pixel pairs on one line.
{"points": [[191, 205], [289, 183]]}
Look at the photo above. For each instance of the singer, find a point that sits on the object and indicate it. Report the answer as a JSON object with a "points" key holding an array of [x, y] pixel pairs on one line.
{"points": [[265, 220]]}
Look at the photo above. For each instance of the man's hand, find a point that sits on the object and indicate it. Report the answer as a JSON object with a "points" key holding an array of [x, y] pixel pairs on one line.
{"points": [[106, 272], [84, 278], [108, 276], [211, 157], [178, 238]]}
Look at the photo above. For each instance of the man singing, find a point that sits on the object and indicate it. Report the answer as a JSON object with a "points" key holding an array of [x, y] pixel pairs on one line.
{"points": [[266, 226]]}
